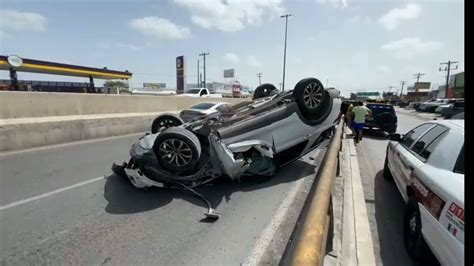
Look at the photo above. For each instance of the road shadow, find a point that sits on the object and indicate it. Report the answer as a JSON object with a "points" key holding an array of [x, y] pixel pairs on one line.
{"points": [[389, 212], [123, 198], [374, 134]]}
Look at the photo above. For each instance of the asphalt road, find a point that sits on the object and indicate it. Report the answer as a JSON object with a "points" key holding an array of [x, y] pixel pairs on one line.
{"points": [[61, 205], [385, 206]]}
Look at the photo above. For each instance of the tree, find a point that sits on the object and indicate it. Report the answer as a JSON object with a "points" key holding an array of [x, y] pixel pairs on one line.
{"points": [[121, 85]]}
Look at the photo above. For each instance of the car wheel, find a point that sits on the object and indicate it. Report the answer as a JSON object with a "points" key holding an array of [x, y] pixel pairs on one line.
{"points": [[165, 121], [312, 98], [386, 170], [264, 90], [412, 237], [385, 120], [177, 149]]}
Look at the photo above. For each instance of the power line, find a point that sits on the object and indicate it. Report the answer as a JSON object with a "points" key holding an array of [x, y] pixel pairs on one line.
{"points": [[204, 56], [259, 75], [448, 68], [284, 52], [418, 75]]}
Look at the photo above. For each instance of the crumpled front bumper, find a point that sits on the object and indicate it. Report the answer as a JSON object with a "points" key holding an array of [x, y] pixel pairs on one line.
{"points": [[135, 176]]}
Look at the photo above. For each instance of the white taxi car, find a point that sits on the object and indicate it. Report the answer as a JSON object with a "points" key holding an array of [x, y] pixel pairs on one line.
{"points": [[427, 165]]}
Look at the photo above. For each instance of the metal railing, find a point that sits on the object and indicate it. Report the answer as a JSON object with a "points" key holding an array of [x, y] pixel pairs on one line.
{"points": [[310, 241]]}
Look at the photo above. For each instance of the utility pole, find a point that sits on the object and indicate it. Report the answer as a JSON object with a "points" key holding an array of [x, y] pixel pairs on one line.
{"points": [[403, 84], [198, 80], [448, 68], [418, 75], [259, 75], [327, 82], [204, 59], [284, 52]]}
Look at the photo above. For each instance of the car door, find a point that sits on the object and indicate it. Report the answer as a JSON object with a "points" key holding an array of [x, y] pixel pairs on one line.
{"points": [[437, 191], [403, 161]]}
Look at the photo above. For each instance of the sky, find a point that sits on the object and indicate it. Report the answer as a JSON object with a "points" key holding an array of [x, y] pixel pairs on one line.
{"points": [[353, 45]]}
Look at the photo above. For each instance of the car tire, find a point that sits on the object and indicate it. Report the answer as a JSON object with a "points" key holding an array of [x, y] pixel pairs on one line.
{"points": [[264, 90], [387, 174], [415, 245], [385, 121], [312, 99], [165, 121], [177, 149]]}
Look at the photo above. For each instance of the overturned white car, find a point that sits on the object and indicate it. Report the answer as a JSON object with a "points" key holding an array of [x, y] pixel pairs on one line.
{"points": [[256, 138]]}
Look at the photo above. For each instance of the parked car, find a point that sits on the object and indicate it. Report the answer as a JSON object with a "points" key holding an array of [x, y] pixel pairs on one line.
{"points": [[209, 110], [458, 116], [431, 107], [454, 106], [261, 136], [199, 92], [422, 107], [427, 165], [383, 117]]}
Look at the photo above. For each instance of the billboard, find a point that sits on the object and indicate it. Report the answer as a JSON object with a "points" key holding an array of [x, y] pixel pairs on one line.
{"points": [[228, 73], [422, 86], [368, 94], [154, 86], [180, 74]]}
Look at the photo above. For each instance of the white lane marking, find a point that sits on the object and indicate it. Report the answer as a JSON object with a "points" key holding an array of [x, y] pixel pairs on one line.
{"points": [[266, 237], [60, 145], [47, 194], [261, 245]]}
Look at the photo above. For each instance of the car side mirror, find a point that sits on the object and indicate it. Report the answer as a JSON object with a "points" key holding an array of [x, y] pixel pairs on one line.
{"points": [[395, 137]]}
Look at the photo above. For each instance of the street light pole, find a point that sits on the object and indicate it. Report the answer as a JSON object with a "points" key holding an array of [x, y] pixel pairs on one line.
{"points": [[284, 52], [198, 81], [204, 59]]}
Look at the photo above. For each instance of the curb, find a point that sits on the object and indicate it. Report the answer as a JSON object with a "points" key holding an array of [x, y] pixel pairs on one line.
{"points": [[357, 245]]}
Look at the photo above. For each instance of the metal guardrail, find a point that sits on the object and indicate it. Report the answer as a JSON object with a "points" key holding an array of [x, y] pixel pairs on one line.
{"points": [[310, 241]]}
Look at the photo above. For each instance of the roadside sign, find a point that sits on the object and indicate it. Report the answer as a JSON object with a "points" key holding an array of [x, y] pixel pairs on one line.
{"points": [[368, 94], [228, 73]]}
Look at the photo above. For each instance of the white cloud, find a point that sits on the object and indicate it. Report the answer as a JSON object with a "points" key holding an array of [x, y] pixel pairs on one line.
{"points": [[393, 18], [14, 21], [231, 58], [230, 15], [253, 62], [334, 3], [159, 27], [409, 47]]}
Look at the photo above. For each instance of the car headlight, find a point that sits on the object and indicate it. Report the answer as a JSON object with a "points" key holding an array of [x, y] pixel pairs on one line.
{"points": [[136, 149]]}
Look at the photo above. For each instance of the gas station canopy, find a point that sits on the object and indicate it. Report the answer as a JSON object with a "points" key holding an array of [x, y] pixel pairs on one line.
{"points": [[18, 64]]}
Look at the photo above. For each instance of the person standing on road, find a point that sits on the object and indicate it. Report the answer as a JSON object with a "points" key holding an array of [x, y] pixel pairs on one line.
{"points": [[350, 117], [359, 112]]}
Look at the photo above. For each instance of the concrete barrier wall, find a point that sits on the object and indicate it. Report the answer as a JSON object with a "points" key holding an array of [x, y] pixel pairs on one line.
{"points": [[43, 104], [28, 135]]}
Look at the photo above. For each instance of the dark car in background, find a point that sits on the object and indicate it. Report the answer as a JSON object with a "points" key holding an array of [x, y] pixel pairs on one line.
{"points": [[454, 106], [383, 117]]}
